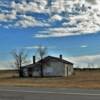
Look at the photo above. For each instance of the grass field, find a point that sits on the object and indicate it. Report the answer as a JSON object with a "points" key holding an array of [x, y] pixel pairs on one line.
{"points": [[81, 79]]}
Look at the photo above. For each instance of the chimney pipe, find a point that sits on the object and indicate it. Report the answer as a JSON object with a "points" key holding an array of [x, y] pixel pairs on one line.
{"points": [[60, 56], [33, 59]]}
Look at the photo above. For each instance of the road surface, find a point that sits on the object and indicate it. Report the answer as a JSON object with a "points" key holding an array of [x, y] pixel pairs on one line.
{"points": [[17, 93]]}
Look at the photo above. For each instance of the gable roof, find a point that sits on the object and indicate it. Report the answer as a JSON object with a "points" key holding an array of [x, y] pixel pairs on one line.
{"points": [[48, 58], [57, 59]]}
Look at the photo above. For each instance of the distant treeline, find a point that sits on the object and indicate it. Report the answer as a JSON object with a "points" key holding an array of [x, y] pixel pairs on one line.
{"points": [[87, 69], [7, 71]]}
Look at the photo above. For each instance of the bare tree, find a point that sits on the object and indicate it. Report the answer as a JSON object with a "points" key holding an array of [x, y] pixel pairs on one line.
{"points": [[19, 59], [41, 53]]}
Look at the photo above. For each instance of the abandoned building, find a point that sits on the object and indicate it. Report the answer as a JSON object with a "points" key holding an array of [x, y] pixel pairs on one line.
{"points": [[52, 66]]}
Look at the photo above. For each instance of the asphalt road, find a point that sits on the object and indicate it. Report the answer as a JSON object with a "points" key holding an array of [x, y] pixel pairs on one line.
{"points": [[12, 93]]}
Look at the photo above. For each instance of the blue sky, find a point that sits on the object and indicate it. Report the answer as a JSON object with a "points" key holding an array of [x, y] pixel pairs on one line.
{"points": [[71, 28]]}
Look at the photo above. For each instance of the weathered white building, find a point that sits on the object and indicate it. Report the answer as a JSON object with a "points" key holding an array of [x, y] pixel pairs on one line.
{"points": [[52, 66]]}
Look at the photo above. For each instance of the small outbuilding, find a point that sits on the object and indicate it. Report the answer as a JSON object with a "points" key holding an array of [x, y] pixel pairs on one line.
{"points": [[52, 66]]}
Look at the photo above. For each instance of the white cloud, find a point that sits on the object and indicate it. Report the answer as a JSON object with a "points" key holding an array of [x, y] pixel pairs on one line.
{"points": [[86, 61], [80, 16], [86, 21], [84, 46], [6, 65], [11, 13], [38, 46], [3, 3], [92, 1], [57, 6], [6, 17], [24, 7], [10, 64], [32, 47], [56, 17], [62, 32], [27, 21]]}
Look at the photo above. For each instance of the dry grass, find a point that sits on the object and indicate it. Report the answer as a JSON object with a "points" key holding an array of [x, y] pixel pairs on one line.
{"points": [[81, 79]]}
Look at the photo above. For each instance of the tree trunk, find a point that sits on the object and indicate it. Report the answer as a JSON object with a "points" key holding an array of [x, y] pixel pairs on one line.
{"points": [[41, 69], [20, 65], [20, 71]]}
